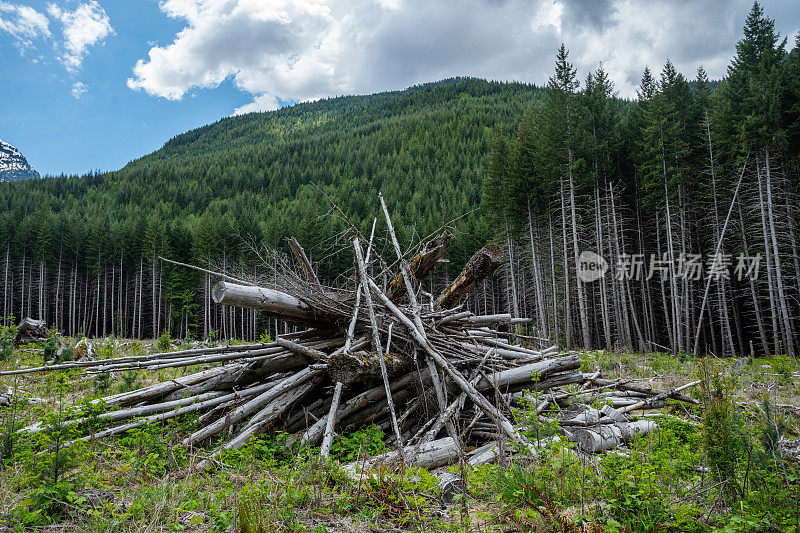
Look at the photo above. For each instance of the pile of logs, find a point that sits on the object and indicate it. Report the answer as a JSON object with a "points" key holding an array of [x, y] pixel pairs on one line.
{"points": [[437, 379]]}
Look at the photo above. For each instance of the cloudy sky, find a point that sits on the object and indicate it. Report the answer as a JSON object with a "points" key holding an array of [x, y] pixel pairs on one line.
{"points": [[91, 84]]}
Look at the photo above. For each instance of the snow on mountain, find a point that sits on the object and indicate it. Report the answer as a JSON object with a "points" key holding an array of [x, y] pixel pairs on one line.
{"points": [[13, 165]]}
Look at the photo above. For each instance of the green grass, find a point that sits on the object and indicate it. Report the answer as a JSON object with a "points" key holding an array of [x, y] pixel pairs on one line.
{"points": [[707, 468]]}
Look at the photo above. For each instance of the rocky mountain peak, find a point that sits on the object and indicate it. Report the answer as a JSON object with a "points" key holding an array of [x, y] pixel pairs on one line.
{"points": [[13, 165]]}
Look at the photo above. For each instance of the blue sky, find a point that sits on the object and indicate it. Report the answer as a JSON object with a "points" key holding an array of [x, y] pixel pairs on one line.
{"points": [[109, 124], [92, 84]]}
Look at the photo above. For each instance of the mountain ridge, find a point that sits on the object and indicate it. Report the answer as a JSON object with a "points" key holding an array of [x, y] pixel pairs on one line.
{"points": [[13, 165], [252, 177]]}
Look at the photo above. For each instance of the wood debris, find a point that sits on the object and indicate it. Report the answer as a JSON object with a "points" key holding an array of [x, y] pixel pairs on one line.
{"points": [[436, 378]]}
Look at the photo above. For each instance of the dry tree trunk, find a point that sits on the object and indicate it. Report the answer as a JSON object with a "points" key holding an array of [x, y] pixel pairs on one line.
{"points": [[429, 455], [273, 302], [481, 264], [421, 265]]}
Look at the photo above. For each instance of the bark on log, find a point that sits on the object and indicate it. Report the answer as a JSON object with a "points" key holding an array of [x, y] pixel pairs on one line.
{"points": [[363, 366], [481, 264], [276, 303], [421, 265]]}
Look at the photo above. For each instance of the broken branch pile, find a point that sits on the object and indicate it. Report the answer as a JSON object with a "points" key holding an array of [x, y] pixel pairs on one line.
{"points": [[437, 378]]}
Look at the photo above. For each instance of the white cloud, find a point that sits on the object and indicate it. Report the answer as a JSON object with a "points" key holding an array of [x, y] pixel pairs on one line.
{"points": [[86, 26], [242, 39], [262, 102], [23, 23], [307, 49], [632, 35], [79, 89]]}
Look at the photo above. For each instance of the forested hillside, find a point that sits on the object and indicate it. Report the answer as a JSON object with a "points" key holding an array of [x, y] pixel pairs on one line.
{"points": [[82, 252], [681, 191]]}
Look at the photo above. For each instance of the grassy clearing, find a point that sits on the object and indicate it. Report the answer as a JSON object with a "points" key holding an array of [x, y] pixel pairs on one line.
{"points": [[707, 468]]}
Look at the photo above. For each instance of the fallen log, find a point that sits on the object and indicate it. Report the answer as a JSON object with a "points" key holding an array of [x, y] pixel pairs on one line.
{"points": [[330, 422], [191, 408], [265, 418], [607, 436], [526, 373], [643, 389], [305, 351], [253, 405], [658, 397], [270, 301], [429, 455]]}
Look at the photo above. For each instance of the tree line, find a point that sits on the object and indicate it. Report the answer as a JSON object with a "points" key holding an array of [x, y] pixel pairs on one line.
{"points": [[688, 193]]}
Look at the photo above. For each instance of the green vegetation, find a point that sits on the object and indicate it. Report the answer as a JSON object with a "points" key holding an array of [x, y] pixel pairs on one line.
{"points": [[7, 333], [715, 467], [164, 341]]}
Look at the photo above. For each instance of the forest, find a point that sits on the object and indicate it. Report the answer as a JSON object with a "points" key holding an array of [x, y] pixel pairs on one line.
{"points": [[688, 192]]}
